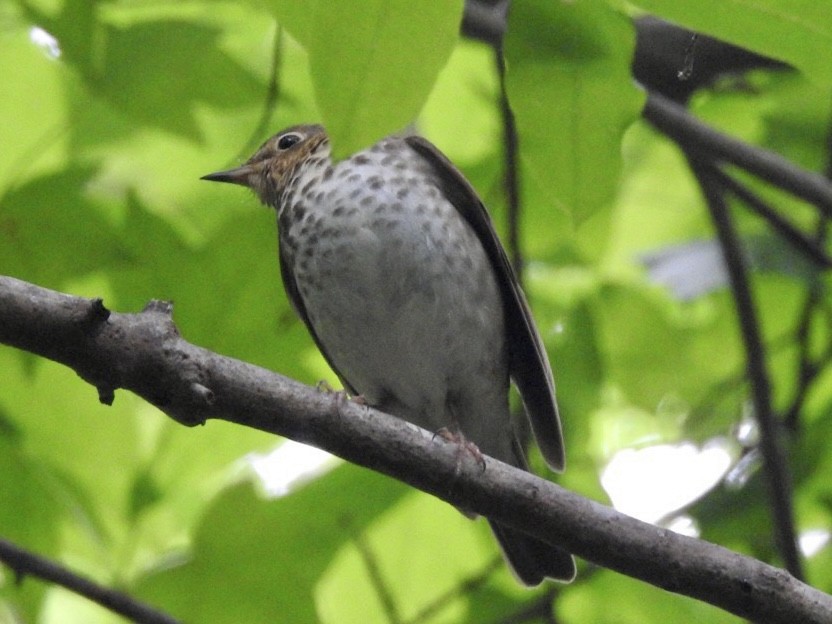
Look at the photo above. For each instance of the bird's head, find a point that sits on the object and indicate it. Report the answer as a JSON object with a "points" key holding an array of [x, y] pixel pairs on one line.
{"points": [[271, 168]]}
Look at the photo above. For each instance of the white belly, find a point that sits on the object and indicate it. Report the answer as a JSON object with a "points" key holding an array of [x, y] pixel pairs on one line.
{"points": [[403, 298]]}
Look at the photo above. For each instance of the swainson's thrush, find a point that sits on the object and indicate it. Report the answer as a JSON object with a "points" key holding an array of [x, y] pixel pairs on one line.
{"points": [[390, 259]]}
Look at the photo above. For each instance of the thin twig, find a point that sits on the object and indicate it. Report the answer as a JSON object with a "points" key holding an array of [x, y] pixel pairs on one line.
{"points": [[809, 369], [774, 461], [25, 563], [511, 176], [465, 588], [269, 102], [385, 595], [801, 241]]}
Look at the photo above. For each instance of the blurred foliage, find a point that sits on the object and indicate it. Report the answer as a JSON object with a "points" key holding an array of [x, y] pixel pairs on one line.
{"points": [[107, 130]]}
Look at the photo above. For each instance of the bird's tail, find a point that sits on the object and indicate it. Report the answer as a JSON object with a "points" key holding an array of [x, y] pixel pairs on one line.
{"points": [[531, 559]]}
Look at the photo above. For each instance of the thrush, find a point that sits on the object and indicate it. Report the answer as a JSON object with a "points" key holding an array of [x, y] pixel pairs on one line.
{"points": [[391, 261]]}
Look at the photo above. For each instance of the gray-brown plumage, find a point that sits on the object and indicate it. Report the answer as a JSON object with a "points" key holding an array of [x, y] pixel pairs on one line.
{"points": [[390, 259]]}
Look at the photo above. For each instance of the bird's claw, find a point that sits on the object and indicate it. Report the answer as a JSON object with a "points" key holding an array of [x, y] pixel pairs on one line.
{"points": [[463, 445], [342, 396]]}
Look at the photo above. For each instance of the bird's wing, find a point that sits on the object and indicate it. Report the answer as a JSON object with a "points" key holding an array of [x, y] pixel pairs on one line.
{"points": [[292, 291], [528, 365]]}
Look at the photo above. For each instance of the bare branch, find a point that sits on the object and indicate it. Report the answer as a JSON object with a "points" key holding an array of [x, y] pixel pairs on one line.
{"points": [[25, 563], [145, 354], [801, 242], [706, 143], [485, 21]]}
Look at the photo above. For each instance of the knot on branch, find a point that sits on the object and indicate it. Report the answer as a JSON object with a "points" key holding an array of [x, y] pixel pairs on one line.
{"points": [[144, 353]]}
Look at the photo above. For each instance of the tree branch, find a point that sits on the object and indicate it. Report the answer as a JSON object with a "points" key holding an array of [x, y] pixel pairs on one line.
{"points": [[26, 563], [706, 143], [145, 354], [774, 460], [800, 241], [485, 21]]}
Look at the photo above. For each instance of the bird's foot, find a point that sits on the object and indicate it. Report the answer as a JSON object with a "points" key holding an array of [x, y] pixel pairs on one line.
{"points": [[324, 386], [464, 445], [342, 396]]}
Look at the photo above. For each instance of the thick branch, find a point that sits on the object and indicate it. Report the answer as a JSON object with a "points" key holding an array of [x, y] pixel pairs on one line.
{"points": [[26, 563], [485, 21], [144, 353], [706, 143]]}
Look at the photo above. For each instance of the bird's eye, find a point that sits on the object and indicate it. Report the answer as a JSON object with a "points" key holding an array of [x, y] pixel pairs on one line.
{"points": [[288, 140]]}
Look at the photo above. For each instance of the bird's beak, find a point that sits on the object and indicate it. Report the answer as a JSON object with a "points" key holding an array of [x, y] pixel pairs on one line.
{"points": [[241, 175]]}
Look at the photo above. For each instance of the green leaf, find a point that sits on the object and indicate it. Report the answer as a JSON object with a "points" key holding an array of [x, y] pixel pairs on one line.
{"points": [[572, 95], [260, 561], [31, 145], [461, 116], [373, 62], [50, 230], [400, 551], [100, 163], [658, 351], [607, 598], [159, 71], [153, 68]]}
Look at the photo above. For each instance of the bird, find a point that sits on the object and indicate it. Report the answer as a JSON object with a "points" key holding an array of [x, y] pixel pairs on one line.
{"points": [[392, 262]]}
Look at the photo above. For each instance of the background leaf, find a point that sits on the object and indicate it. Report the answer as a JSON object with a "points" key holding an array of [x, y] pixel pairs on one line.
{"points": [[568, 68], [111, 123], [373, 64]]}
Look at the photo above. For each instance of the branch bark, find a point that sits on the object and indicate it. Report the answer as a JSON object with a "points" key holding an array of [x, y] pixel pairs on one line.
{"points": [[145, 354]]}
